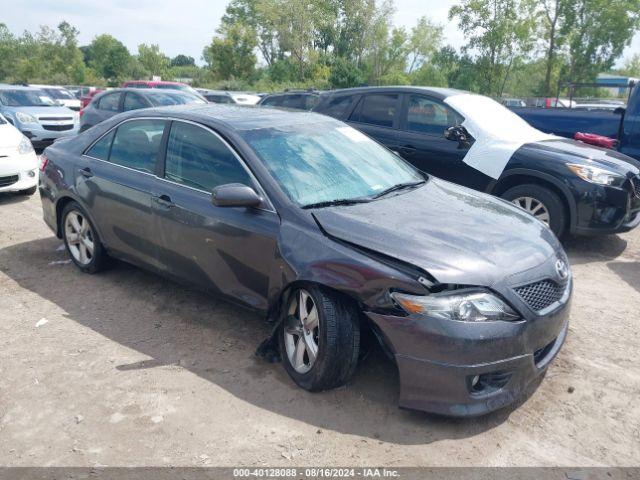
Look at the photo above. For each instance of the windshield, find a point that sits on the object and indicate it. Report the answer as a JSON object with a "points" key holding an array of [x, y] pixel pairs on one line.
{"points": [[159, 99], [58, 94], [25, 98], [328, 161]]}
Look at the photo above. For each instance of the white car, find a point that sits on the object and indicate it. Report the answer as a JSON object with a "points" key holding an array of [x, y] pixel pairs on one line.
{"points": [[61, 96], [18, 161]]}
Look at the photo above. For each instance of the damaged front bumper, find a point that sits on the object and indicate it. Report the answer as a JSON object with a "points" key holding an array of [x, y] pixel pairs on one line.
{"points": [[469, 369]]}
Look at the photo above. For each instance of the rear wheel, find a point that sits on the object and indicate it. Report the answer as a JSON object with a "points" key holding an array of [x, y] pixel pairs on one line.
{"points": [[541, 203], [319, 339], [81, 239]]}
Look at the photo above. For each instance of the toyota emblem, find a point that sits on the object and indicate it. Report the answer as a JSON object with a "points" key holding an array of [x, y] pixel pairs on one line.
{"points": [[562, 269]]}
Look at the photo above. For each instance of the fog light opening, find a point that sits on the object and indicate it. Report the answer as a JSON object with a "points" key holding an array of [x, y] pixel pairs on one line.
{"points": [[488, 382]]}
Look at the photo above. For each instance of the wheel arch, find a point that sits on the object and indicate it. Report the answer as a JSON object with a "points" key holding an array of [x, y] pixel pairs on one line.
{"points": [[61, 203], [521, 176]]}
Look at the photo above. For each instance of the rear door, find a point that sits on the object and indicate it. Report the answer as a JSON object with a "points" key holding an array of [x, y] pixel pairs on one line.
{"points": [[116, 181], [227, 250], [377, 115], [423, 122]]}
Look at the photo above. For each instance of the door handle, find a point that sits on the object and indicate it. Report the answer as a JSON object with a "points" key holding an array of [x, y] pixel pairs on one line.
{"points": [[163, 201], [86, 172]]}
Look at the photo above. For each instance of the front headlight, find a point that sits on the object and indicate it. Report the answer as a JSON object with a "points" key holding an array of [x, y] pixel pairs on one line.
{"points": [[25, 118], [596, 174], [25, 146], [472, 306]]}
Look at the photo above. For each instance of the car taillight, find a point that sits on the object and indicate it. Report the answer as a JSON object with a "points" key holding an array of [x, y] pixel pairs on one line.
{"points": [[43, 162]]}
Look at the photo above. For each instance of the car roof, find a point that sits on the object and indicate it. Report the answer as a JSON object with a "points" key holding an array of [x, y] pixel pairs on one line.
{"points": [[151, 82], [438, 92], [6, 86], [147, 92], [235, 117]]}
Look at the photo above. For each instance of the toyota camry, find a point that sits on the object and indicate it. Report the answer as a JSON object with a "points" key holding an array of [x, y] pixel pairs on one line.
{"points": [[328, 234]]}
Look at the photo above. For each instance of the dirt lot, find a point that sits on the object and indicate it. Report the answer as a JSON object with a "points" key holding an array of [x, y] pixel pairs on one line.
{"points": [[126, 368]]}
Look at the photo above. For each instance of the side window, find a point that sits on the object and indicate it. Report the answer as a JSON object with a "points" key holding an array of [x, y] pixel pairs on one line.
{"points": [[136, 144], [101, 148], [338, 107], [377, 109], [272, 101], [133, 102], [109, 102], [293, 101], [199, 159], [312, 101], [425, 115]]}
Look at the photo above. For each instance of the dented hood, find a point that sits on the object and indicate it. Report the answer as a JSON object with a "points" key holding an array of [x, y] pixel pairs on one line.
{"points": [[455, 234]]}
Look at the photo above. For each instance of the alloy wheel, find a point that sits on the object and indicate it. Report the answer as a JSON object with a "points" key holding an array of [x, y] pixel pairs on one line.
{"points": [[301, 334], [77, 231], [535, 207]]}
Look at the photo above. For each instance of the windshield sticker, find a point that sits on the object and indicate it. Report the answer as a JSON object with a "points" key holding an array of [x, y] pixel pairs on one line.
{"points": [[353, 134]]}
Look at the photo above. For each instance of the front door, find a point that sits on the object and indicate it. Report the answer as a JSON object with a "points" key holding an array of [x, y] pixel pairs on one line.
{"points": [[229, 250], [423, 122]]}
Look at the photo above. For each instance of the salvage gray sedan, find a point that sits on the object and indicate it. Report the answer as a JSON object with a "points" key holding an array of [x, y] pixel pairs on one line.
{"points": [[328, 234]]}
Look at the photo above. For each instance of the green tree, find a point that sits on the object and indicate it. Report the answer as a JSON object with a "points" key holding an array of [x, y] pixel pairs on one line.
{"points": [[183, 61], [108, 57], [499, 31], [424, 42], [230, 55], [152, 59], [345, 74]]}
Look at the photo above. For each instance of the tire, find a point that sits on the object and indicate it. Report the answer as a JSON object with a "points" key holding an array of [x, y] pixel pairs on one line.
{"points": [[337, 337], [539, 195], [29, 191], [92, 261]]}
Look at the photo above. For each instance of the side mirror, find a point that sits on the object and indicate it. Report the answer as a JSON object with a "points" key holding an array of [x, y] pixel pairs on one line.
{"points": [[620, 111], [458, 134], [235, 195]]}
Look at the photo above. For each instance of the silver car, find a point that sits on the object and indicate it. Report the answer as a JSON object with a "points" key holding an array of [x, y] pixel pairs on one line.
{"points": [[36, 115]]}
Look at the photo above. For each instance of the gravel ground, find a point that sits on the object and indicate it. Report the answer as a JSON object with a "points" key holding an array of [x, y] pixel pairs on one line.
{"points": [[127, 369]]}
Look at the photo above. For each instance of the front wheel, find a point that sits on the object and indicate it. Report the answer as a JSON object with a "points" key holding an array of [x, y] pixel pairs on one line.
{"points": [[542, 203], [319, 338]]}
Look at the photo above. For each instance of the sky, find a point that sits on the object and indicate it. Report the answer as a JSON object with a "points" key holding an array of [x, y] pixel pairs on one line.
{"points": [[182, 26]]}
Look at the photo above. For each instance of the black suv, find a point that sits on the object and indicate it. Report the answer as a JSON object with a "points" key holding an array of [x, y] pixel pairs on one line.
{"points": [[476, 142], [292, 99]]}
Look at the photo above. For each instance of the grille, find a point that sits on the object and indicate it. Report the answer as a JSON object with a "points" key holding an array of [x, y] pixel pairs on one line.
{"points": [[55, 119], [6, 181], [57, 128], [540, 295], [636, 186]]}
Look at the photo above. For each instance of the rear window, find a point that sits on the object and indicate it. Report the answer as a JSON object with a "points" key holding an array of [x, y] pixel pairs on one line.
{"points": [[173, 98]]}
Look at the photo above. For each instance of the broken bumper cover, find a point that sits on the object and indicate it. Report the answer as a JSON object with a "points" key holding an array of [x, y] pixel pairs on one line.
{"points": [[470, 369]]}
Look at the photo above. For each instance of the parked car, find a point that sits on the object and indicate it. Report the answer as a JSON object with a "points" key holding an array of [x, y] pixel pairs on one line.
{"points": [[164, 85], [112, 102], [622, 123], [326, 233], [292, 99], [224, 96], [513, 102], [476, 142], [60, 95], [86, 99], [18, 161], [36, 115]]}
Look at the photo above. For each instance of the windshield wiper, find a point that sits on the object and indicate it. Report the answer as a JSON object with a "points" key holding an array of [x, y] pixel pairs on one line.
{"points": [[399, 186], [340, 201]]}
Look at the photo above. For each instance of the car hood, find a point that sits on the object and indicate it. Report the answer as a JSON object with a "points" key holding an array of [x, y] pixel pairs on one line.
{"points": [[10, 136], [573, 151], [455, 234]]}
